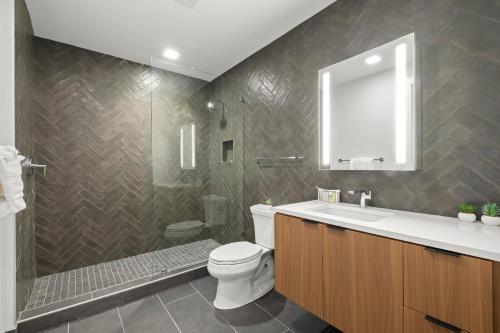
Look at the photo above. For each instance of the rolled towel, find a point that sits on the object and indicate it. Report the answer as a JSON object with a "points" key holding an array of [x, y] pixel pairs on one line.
{"points": [[11, 181], [361, 163]]}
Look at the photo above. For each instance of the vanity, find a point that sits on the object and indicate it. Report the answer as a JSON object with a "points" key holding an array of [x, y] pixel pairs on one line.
{"points": [[380, 270]]}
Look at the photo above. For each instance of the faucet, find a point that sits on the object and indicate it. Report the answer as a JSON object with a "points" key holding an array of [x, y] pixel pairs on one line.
{"points": [[365, 195]]}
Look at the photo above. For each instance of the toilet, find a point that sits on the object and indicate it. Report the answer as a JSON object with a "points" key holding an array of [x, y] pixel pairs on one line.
{"points": [[245, 271]]}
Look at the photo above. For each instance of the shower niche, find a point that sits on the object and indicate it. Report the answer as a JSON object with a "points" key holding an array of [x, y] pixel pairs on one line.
{"points": [[227, 151]]}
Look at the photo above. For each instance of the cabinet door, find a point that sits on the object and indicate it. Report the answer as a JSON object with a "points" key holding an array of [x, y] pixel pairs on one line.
{"points": [[456, 289], [298, 253], [415, 322], [363, 282]]}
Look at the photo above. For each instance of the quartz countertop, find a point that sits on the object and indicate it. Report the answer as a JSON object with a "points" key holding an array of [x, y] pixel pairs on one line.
{"points": [[447, 233]]}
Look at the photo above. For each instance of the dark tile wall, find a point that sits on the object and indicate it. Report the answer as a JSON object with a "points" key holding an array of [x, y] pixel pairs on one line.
{"points": [[108, 130], [93, 130], [25, 220], [460, 73]]}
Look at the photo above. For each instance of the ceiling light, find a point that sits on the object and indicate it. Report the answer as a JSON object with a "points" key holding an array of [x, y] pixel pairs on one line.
{"points": [[372, 60], [171, 54]]}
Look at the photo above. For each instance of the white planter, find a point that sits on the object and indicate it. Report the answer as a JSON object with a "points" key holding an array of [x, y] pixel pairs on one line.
{"points": [[490, 220], [467, 217]]}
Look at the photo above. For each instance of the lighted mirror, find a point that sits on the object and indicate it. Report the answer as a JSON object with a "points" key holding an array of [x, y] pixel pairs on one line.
{"points": [[188, 146], [366, 110]]}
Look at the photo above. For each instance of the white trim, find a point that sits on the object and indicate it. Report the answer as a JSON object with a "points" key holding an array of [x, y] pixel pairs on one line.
{"points": [[7, 137]]}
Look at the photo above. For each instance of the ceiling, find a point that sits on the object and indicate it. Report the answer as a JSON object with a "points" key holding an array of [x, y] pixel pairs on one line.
{"points": [[211, 35]]}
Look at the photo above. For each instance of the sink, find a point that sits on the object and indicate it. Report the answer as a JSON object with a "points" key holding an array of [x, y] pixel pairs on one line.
{"points": [[361, 214]]}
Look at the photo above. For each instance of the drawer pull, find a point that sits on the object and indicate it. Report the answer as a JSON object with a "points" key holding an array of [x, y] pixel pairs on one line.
{"points": [[336, 227], [440, 251], [443, 324]]}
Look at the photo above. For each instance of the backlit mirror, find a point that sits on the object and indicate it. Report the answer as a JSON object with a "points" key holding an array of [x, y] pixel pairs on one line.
{"points": [[366, 110]]}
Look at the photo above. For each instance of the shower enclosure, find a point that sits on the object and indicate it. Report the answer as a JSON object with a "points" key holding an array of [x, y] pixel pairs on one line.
{"points": [[144, 177]]}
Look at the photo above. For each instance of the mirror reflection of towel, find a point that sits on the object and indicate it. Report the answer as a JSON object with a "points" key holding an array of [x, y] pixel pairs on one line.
{"points": [[11, 181], [361, 163]]}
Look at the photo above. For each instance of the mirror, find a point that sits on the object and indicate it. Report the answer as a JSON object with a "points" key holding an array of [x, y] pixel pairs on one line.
{"points": [[366, 110], [188, 146]]}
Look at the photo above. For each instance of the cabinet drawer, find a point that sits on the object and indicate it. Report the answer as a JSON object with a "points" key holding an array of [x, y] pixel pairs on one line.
{"points": [[416, 322], [453, 288]]}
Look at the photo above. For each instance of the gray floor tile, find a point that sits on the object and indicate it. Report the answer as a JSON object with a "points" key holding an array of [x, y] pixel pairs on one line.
{"points": [[60, 329], [146, 315], [207, 286], [292, 315], [176, 293], [252, 319], [105, 322], [194, 315]]}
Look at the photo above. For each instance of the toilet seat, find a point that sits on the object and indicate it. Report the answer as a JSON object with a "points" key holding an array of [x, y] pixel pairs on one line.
{"points": [[235, 253]]}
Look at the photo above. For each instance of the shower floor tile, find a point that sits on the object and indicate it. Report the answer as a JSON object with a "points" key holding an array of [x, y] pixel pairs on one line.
{"points": [[76, 283]]}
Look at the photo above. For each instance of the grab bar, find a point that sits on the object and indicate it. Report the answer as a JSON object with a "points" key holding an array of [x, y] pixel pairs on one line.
{"points": [[297, 158]]}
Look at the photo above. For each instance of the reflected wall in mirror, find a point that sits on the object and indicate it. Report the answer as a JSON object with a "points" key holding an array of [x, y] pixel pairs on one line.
{"points": [[367, 112], [188, 146]]}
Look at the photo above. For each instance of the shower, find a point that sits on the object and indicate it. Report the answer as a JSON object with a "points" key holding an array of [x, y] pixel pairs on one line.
{"points": [[211, 106]]}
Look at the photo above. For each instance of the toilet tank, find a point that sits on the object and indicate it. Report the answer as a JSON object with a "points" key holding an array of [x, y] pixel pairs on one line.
{"points": [[263, 221]]}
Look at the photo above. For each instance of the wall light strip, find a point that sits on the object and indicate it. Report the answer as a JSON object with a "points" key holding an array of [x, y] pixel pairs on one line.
{"points": [[400, 104], [193, 146], [182, 148], [325, 119]]}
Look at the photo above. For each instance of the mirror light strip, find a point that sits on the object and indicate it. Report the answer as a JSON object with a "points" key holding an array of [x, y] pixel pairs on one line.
{"points": [[325, 120], [400, 104]]}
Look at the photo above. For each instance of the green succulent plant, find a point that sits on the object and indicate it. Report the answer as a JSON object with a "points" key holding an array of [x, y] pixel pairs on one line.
{"points": [[269, 202], [491, 209], [467, 208]]}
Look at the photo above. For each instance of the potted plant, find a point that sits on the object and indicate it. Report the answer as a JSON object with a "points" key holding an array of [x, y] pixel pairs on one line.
{"points": [[491, 214], [466, 212]]}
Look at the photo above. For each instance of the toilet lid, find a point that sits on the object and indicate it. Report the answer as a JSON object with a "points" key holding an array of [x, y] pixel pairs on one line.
{"points": [[235, 253]]}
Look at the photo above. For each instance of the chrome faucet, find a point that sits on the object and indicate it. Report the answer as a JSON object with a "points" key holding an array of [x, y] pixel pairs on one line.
{"points": [[365, 195]]}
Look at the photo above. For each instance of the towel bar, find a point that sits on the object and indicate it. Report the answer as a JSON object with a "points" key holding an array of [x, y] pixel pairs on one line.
{"points": [[381, 159]]}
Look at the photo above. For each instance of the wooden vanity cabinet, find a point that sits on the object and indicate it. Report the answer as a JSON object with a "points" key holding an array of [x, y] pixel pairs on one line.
{"points": [[299, 269], [363, 281], [456, 289]]}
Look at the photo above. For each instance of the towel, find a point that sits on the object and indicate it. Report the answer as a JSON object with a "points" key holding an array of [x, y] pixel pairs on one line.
{"points": [[361, 163], [11, 181]]}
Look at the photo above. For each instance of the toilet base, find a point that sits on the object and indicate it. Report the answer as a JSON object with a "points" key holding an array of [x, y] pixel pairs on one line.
{"points": [[235, 292]]}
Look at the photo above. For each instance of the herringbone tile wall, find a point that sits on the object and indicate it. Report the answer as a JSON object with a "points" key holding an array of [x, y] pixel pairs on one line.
{"points": [[109, 131], [25, 220], [459, 54]]}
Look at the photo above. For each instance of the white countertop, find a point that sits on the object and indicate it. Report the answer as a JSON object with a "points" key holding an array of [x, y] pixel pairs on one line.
{"points": [[447, 233]]}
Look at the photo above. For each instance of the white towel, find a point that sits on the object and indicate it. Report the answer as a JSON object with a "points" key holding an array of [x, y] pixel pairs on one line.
{"points": [[12, 183], [361, 163]]}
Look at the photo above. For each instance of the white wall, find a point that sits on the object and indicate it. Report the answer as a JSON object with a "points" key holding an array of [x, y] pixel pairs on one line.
{"points": [[7, 137]]}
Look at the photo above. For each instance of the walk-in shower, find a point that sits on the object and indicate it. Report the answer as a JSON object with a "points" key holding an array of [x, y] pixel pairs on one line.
{"points": [[135, 189]]}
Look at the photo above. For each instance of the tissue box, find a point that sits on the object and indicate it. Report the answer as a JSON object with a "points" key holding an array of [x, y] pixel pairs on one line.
{"points": [[331, 196]]}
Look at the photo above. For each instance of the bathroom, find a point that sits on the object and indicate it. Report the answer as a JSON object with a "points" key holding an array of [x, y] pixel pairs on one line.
{"points": [[155, 141]]}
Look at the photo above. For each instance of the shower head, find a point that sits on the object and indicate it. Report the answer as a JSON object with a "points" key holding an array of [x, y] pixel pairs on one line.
{"points": [[211, 105]]}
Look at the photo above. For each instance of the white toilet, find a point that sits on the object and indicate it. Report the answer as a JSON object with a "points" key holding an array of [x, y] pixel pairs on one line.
{"points": [[245, 271]]}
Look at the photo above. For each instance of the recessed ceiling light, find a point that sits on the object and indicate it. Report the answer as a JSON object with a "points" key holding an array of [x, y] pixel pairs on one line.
{"points": [[171, 54], [372, 60]]}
